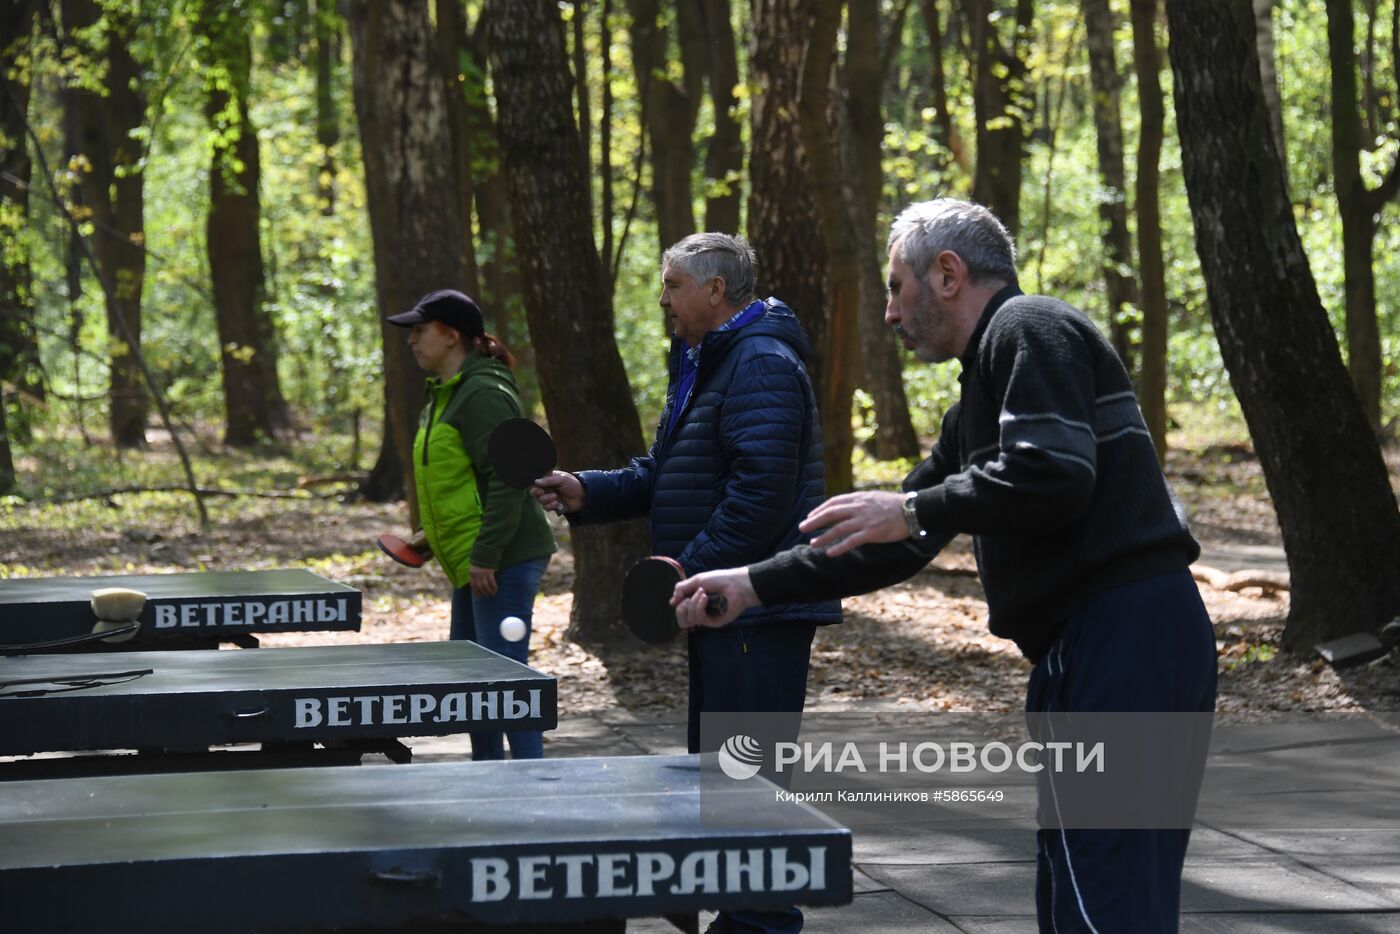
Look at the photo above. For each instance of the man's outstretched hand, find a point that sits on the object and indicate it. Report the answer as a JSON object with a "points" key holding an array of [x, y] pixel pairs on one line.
{"points": [[853, 519], [691, 595]]}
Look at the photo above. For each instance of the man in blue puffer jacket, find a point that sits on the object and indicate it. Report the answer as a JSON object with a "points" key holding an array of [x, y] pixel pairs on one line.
{"points": [[736, 465]]}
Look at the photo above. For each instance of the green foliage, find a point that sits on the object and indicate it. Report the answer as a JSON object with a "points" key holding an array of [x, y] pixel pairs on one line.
{"points": [[321, 290], [1258, 653], [1305, 76], [641, 334], [320, 267], [320, 271]]}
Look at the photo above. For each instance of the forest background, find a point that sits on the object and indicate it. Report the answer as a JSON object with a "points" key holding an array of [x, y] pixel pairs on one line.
{"points": [[207, 207]]}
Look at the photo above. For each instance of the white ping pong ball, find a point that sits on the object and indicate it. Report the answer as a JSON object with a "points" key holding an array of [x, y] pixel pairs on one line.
{"points": [[512, 629]]}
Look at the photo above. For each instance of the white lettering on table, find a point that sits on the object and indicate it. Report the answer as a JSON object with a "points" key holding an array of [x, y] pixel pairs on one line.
{"points": [[245, 613], [647, 873], [399, 709]]}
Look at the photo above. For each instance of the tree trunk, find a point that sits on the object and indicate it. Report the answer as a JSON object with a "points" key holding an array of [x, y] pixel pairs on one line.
{"points": [[668, 110], [1054, 105], [327, 28], [590, 408], [7, 461], [454, 44], [122, 254], [407, 147], [479, 173], [605, 126], [861, 148], [947, 130], [385, 482], [1341, 528], [838, 341], [1003, 104], [724, 159], [1119, 286], [16, 276], [863, 77], [500, 274], [1377, 105], [1359, 207], [782, 206], [1268, 75], [112, 189], [493, 212], [582, 108], [254, 409], [73, 247], [1152, 389]]}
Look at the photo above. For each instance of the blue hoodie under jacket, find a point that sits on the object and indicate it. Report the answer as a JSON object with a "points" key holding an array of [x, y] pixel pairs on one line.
{"points": [[742, 466]]}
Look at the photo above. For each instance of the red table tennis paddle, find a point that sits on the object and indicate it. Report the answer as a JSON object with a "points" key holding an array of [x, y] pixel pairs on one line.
{"points": [[401, 551], [521, 452], [646, 599]]}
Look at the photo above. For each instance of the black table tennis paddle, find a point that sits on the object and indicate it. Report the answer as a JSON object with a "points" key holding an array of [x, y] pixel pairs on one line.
{"points": [[521, 452], [646, 599], [120, 633]]}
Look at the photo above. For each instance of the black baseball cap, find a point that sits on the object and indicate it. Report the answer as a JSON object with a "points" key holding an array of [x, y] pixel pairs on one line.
{"points": [[450, 307]]}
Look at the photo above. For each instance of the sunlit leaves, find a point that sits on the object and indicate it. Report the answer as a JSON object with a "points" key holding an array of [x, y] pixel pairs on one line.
{"points": [[321, 268]]}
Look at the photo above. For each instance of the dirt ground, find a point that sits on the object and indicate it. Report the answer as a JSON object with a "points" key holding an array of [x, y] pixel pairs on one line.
{"points": [[923, 643]]}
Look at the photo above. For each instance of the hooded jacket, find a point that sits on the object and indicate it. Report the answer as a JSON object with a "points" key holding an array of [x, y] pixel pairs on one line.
{"points": [[742, 466], [469, 514]]}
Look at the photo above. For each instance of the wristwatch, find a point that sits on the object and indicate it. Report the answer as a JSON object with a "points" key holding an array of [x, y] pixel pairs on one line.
{"points": [[911, 518]]}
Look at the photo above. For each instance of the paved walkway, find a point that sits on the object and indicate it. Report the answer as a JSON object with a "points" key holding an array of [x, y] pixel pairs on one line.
{"points": [[1235, 556], [978, 876]]}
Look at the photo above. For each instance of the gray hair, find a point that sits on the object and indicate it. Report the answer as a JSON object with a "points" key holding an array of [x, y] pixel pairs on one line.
{"points": [[927, 228], [705, 256]]}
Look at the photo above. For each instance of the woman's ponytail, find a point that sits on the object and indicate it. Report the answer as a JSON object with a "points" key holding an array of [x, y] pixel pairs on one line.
{"points": [[493, 348]]}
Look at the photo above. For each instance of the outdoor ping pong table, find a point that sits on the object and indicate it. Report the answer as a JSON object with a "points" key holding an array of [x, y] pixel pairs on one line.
{"points": [[198, 608], [352, 697], [545, 845]]}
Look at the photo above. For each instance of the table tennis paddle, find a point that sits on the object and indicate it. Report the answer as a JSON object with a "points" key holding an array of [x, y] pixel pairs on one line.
{"points": [[521, 452], [646, 599], [119, 634], [401, 551]]}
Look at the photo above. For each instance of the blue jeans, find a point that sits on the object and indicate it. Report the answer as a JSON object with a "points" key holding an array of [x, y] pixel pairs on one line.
{"points": [[479, 619]]}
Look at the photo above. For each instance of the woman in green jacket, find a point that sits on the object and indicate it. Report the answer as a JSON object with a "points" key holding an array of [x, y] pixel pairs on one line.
{"points": [[492, 541]]}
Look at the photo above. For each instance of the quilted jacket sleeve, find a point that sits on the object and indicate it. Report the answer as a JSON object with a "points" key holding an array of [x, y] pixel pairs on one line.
{"points": [[614, 495]]}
